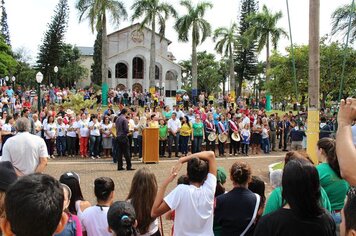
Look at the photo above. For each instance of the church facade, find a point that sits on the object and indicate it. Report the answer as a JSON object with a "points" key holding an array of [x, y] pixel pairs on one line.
{"points": [[129, 58]]}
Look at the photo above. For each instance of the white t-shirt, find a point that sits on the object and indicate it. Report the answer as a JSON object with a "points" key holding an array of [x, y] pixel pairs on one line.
{"points": [[264, 133], [72, 133], [95, 131], [94, 220], [193, 208], [50, 130], [38, 125], [106, 130], [83, 128], [26, 158], [61, 129], [6, 127], [174, 125]]}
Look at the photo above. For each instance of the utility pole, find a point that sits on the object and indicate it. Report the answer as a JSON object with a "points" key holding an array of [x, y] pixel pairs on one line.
{"points": [[314, 79]]}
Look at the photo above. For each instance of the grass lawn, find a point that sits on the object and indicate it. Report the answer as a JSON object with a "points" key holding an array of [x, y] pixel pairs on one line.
{"points": [[278, 166]]}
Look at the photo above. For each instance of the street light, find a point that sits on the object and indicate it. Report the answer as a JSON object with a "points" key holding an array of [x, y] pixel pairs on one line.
{"points": [[39, 78], [13, 79], [56, 71], [6, 79]]}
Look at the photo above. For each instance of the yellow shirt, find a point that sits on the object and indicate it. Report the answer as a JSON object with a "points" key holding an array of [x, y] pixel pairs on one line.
{"points": [[153, 124], [185, 130]]}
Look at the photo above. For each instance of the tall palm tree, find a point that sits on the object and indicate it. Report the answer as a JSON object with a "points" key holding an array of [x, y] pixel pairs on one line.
{"points": [[227, 40], [340, 21], [96, 12], [153, 12], [264, 29], [200, 29]]}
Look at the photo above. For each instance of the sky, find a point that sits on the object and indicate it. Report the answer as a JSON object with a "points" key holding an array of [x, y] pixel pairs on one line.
{"points": [[28, 19]]}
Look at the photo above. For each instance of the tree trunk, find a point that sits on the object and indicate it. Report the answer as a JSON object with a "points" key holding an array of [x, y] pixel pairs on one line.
{"points": [[104, 63], [239, 89], [232, 72], [267, 59], [194, 60], [314, 78], [153, 54]]}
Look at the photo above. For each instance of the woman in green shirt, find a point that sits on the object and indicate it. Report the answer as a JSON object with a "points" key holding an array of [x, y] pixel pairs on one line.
{"points": [[198, 134], [275, 200], [330, 177], [163, 134]]}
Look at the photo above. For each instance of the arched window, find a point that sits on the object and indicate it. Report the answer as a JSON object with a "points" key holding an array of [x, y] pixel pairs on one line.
{"points": [[156, 72], [109, 74], [120, 70], [137, 68], [170, 75]]}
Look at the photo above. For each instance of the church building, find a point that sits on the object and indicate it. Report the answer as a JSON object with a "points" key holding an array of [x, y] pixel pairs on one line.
{"points": [[129, 58]]}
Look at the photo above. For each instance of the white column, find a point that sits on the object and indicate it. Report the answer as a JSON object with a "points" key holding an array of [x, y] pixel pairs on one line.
{"points": [[146, 82], [129, 75]]}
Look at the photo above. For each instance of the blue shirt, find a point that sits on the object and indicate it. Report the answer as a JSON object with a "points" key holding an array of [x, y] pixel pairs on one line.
{"points": [[9, 92]]}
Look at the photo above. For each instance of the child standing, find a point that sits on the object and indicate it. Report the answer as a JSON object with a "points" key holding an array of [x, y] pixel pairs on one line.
{"points": [[265, 139], [246, 135], [163, 134]]}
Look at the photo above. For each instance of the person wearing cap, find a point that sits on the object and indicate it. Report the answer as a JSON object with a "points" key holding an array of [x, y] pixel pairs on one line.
{"points": [[32, 156]]}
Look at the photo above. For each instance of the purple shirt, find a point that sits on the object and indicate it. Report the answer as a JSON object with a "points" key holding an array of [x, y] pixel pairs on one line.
{"points": [[122, 126]]}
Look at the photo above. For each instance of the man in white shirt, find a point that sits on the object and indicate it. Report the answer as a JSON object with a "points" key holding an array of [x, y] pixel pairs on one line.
{"points": [[194, 203], [94, 218], [31, 156], [179, 113], [245, 119], [174, 126]]}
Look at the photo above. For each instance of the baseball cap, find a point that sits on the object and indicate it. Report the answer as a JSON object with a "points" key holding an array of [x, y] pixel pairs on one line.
{"points": [[69, 175], [7, 175]]}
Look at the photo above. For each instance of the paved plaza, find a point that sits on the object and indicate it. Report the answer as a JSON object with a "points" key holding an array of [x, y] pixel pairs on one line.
{"points": [[91, 169]]}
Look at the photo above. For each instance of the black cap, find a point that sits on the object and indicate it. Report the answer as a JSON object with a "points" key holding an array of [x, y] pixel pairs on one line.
{"points": [[69, 175], [7, 175]]}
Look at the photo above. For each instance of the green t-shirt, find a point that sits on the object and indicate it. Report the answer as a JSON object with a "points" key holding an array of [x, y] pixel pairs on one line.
{"points": [[167, 115], [335, 187], [275, 202], [163, 132], [198, 129]]}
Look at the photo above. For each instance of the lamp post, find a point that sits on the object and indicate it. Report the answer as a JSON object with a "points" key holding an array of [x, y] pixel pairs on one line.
{"points": [[56, 71], [13, 79], [6, 79], [39, 78]]}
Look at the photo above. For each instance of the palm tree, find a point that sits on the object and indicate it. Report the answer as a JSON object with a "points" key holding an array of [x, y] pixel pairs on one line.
{"points": [[96, 12], [340, 21], [264, 29], [200, 29], [226, 46], [153, 11]]}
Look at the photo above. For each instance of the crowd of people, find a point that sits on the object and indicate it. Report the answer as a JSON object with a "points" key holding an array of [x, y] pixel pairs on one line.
{"points": [[307, 199]]}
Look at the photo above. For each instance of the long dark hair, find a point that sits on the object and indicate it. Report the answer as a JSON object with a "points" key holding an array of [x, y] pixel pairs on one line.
{"points": [[187, 120], [301, 188], [328, 145], [77, 195], [142, 194]]}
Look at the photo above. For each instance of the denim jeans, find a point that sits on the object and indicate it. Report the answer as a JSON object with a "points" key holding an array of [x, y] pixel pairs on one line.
{"points": [[135, 146], [162, 147], [61, 145], [139, 140], [197, 142], [265, 145], [171, 139], [94, 145], [184, 144]]}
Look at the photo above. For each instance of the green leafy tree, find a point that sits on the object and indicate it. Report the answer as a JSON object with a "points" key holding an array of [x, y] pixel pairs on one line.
{"points": [[8, 63], [264, 29], [96, 66], [281, 85], [3, 24], [245, 54], [50, 50], [76, 102], [340, 21], [226, 42], [25, 73], [200, 29], [70, 70], [96, 11], [209, 73], [153, 12]]}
